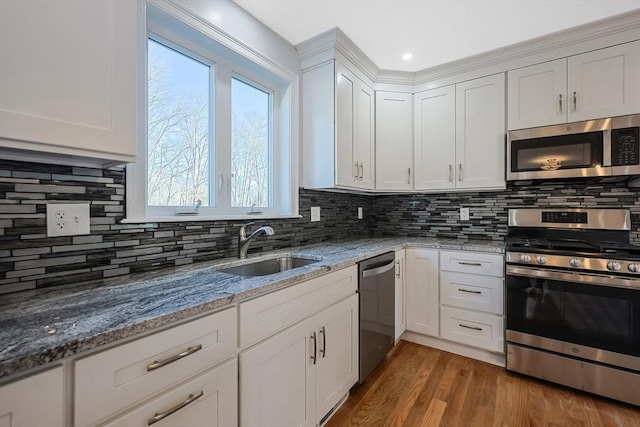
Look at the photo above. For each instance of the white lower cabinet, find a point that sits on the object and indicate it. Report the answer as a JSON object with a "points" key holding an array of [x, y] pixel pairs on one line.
{"points": [[472, 328], [401, 294], [422, 291], [34, 401], [209, 400], [295, 377]]}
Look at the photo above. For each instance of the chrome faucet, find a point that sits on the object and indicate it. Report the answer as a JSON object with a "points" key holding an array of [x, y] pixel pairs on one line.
{"points": [[244, 241]]}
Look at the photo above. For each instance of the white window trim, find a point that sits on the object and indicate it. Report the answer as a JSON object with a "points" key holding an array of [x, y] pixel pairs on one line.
{"points": [[285, 127]]}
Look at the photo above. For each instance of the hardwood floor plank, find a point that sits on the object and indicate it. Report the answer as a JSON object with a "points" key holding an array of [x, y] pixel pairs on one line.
{"points": [[419, 386]]}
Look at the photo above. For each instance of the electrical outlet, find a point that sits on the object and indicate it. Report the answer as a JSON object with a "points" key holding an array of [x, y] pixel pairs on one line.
{"points": [[360, 213], [315, 213], [464, 214], [70, 219]]}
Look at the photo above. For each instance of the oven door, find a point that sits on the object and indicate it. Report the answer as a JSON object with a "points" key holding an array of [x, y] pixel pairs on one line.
{"points": [[579, 314]]}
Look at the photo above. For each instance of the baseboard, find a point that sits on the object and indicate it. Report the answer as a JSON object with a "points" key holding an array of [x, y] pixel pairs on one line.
{"points": [[459, 349]]}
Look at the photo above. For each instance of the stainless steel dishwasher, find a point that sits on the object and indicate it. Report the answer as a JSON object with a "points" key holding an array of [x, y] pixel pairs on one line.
{"points": [[377, 311]]}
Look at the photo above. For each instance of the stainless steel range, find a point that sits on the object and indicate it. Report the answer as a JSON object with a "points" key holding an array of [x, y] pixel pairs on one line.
{"points": [[573, 299]]}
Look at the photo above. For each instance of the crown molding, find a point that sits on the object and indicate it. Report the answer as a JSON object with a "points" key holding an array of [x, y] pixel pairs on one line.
{"points": [[334, 43]]}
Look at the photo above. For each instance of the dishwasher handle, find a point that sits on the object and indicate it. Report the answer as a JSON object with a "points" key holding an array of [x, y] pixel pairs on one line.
{"points": [[378, 270]]}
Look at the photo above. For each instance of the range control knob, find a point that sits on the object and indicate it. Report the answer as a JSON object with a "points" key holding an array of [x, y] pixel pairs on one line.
{"points": [[525, 258], [634, 268], [613, 266], [575, 262], [541, 259]]}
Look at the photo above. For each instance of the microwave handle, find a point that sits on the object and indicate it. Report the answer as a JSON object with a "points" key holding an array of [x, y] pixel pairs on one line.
{"points": [[606, 147]]}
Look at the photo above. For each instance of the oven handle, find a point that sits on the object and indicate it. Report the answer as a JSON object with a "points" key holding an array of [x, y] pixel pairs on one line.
{"points": [[587, 278]]}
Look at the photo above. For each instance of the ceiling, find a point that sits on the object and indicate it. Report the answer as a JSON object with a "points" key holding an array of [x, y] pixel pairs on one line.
{"points": [[435, 31]]}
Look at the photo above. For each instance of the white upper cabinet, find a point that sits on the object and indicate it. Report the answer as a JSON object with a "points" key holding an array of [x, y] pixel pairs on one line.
{"points": [[538, 95], [338, 129], [435, 138], [68, 77], [592, 85], [394, 141], [459, 136], [604, 83], [480, 133]]}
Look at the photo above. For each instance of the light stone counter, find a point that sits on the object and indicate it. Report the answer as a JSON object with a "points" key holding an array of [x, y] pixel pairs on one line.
{"points": [[39, 327]]}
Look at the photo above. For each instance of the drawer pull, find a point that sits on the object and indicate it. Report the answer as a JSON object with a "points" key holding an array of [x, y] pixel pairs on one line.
{"points": [[469, 292], [474, 264], [159, 416], [159, 364], [475, 328]]}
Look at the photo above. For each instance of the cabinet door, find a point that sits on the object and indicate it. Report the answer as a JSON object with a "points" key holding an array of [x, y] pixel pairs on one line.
{"points": [[394, 141], [401, 313], [365, 154], [346, 89], [480, 133], [422, 291], [209, 400], [537, 95], [277, 383], [68, 77], [604, 83], [34, 401], [435, 138], [337, 363]]}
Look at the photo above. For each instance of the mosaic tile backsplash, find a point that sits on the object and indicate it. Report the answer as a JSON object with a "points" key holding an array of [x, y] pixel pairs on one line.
{"points": [[28, 259]]}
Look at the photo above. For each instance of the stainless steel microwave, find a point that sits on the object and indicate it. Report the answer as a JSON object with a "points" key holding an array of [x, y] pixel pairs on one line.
{"points": [[604, 147]]}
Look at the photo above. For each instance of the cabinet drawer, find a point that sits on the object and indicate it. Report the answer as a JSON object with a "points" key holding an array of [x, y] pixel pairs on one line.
{"points": [[210, 400], [266, 315], [115, 379], [484, 293], [472, 262], [474, 329]]}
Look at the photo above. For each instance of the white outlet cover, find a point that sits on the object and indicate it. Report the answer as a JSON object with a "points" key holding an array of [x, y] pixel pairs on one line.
{"points": [[67, 219], [360, 215], [464, 214], [315, 213]]}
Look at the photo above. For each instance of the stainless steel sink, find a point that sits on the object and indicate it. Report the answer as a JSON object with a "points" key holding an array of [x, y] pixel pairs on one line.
{"points": [[268, 266]]}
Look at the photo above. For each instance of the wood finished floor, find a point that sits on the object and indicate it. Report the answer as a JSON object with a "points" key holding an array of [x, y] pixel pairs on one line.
{"points": [[420, 386]]}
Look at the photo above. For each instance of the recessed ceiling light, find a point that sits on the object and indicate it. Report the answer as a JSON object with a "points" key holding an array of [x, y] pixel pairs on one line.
{"points": [[407, 56]]}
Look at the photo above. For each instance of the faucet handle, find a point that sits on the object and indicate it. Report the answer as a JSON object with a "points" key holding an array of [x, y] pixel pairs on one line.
{"points": [[243, 231]]}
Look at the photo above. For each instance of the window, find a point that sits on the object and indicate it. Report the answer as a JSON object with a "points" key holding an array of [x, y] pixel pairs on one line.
{"points": [[218, 133]]}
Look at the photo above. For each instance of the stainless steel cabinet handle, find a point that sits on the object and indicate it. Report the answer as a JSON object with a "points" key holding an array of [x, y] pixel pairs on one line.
{"points": [[468, 291], [398, 269], [361, 171], [315, 347], [159, 416], [560, 102], [462, 325], [475, 264], [408, 175], [356, 176], [460, 172], [450, 173], [575, 101], [159, 364], [323, 350]]}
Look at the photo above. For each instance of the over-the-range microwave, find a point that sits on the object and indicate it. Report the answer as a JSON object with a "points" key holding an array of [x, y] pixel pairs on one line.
{"points": [[604, 147]]}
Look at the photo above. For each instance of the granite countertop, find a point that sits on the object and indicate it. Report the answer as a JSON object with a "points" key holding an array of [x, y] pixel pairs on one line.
{"points": [[38, 327]]}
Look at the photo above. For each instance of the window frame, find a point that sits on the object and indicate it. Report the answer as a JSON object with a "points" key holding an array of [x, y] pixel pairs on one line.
{"points": [[279, 83]]}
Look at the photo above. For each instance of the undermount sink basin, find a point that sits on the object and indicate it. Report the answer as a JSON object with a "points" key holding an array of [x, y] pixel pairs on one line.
{"points": [[268, 266]]}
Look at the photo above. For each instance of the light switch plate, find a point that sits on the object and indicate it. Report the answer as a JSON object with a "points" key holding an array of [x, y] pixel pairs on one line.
{"points": [[464, 214], [360, 215], [315, 213], [67, 219]]}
